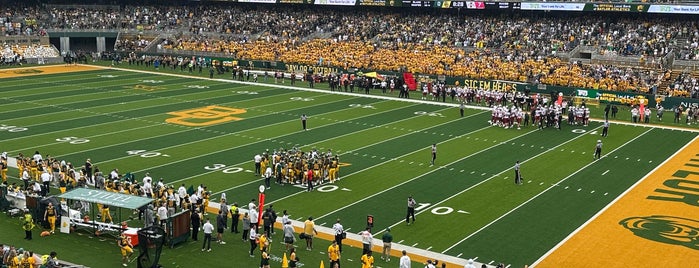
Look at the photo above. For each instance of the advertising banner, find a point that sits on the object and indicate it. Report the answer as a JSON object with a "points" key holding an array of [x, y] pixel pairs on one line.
{"points": [[552, 6], [258, 1], [615, 7], [673, 9], [372, 2], [335, 2], [477, 5]]}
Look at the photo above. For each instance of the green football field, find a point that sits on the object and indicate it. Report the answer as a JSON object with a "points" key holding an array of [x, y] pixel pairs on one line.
{"points": [[206, 131]]}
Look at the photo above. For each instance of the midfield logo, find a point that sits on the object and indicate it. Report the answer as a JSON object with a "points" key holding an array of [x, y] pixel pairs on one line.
{"points": [[205, 116]]}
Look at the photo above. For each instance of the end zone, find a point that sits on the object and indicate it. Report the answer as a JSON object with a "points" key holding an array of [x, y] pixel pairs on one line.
{"points": [[652, 224], [41, 70]]}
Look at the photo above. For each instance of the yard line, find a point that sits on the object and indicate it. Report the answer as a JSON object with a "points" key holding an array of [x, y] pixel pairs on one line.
{"points": [[110, 114], [493, 176], [359, 171], [473, 107], [192, 142], [610, 204], [417, 177], [63, 105], [97, 113], [542, 192], [214, 152], [381, 97], [349, 151], [100, 91], [72, 84], [51, 80]]}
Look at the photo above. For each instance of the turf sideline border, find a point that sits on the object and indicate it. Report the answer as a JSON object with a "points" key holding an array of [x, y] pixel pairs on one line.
{"points": [[398, 247], [325, 91]]}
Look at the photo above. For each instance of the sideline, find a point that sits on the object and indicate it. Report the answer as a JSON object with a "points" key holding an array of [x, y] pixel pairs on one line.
{"points": [[327, 233], [326, 91]]}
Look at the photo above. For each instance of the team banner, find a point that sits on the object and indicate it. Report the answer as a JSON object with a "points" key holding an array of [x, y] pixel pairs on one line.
{"points": [[491, 84]]}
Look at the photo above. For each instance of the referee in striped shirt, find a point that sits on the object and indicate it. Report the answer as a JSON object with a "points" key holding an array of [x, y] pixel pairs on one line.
{"points": [[411, 210]]}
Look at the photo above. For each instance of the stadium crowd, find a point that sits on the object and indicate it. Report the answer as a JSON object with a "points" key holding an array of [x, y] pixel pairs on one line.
{"points": [[18, 257], [685, 85], [41, 174], [516, 46]]}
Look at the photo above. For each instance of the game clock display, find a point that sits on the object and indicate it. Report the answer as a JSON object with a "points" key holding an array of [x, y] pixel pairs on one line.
{"points": [[478, 5]]}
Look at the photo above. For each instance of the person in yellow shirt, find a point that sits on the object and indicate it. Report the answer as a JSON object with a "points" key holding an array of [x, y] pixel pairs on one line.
{"points": [[206, 196], [3, 169], [334, 254], [28, 260], [309, 230], [264, 163], [105, 214], [264, 242], [34, 169], [367, 260], [333, 168], [12, 259], [50, 216], [126, 249], [293, 259]]}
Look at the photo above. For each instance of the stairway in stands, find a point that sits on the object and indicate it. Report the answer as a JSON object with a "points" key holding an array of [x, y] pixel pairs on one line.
{"points": [[663, 87], [410, 81]]}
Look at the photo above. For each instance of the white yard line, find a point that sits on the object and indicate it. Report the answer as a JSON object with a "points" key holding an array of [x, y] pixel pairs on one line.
{"points": [[491, 177], [610, 204], [542, 192], [112, 122], [421, 175], [92, 114], [349, 151]]}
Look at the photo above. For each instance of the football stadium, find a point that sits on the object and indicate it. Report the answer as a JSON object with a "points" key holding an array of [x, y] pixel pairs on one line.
{"points": [[349, 133]]}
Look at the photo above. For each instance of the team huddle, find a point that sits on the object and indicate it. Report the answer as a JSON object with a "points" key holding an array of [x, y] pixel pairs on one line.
{"points": [[541, 114], [295, 166]]}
